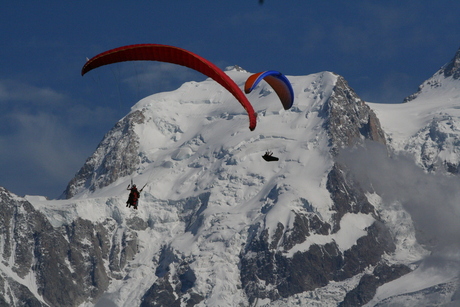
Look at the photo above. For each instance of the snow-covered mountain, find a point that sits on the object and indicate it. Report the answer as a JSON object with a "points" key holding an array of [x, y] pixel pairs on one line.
{"points": [[427, 125], [219, 226]]}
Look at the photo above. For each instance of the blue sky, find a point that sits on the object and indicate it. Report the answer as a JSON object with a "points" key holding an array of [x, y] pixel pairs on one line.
{"points": [[52, 119]]}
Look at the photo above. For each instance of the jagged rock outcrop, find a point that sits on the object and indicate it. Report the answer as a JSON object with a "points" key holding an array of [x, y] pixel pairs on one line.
{"points": [[264, 263], [116, 156], [172, 289], [32, 246], [67, 262], [347, 195], [18, 293], [369, 283], [453, 67], [348, 119]]}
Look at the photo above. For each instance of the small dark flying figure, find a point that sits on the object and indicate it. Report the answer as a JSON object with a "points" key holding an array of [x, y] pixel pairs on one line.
{"points": [[268, 156], [133, 197]]}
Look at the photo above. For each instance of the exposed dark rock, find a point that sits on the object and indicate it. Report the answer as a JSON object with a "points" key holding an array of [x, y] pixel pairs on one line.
{"points": [[317, 226], [161, 294], [368, 284], [194, 299], [122, 250], [172, 289], [437, 295], [136, 223], [305, 271], [349, 119], [347, 195], [115, 157], [17, 294], [187, 280], [368, 250], [43, 251], [453, 67], [277, 236], [89, 246], [192, 210], [67, 261], [303, 226]]}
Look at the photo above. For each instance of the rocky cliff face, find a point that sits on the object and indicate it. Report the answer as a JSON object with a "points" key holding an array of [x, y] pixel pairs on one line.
{"points": [[57, 266], [115, 157], [453, 67], [348, 119]]}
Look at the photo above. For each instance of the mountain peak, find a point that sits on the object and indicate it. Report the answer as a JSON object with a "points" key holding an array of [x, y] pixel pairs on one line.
{"points": [[346, 119], [235, 68], [115, 157], [448, 73], [453, 67]]}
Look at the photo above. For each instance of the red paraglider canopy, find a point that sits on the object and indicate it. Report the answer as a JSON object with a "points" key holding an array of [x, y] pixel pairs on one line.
{"points": [[174, 55]]}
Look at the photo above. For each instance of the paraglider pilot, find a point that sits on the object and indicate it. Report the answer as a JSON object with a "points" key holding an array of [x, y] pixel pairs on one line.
{"points": [[268, 156], [133, 197]]}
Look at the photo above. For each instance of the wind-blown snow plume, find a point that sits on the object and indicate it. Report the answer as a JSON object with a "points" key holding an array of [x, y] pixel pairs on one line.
{"points": [[432, 199]]}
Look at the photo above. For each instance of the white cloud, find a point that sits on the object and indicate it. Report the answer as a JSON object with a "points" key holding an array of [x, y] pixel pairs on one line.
{"points": [[15, 91], [432, 199], [146, 78]]}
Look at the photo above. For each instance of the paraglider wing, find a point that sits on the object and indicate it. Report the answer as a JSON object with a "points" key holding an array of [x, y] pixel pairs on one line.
{"points": [[277, 81], [174, 55], [268, 156]]}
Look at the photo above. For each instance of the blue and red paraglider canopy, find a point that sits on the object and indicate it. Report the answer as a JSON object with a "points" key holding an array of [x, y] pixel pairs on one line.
{"points": [[277, 81]]}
